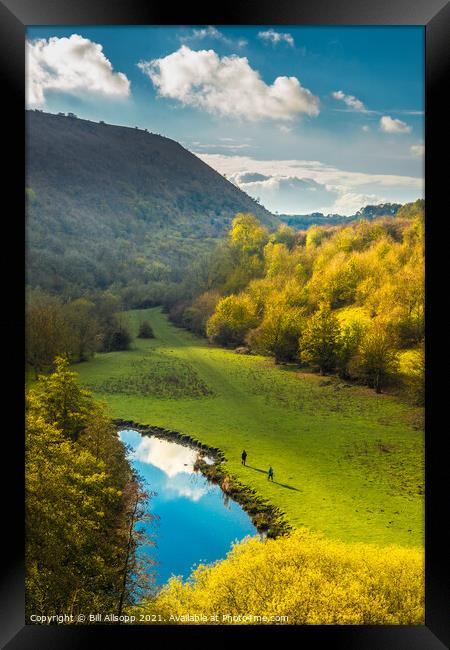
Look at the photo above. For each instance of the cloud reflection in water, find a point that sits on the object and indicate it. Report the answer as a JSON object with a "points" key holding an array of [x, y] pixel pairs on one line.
{"points": [[174, 460]]}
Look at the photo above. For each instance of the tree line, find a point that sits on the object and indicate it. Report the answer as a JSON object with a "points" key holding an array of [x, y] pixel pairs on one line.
{"points": [[77, 328], [83, 502], [346, 299]]}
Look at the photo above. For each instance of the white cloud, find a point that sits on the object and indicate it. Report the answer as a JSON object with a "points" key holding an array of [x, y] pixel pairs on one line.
{"points": [[212, 32], [350, 202], [417, 149], [186, 486], [277, 37], [73, 65], [230, 146], [406, 112], [227, 86], [391, 125], [350, 101], [240, 178], [288, 194], [314, 169], [365, 128], [300, 186], [285, 129], [293, 195]]}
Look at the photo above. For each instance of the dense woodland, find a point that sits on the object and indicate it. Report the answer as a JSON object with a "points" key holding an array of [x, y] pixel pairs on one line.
{"points": [[74, 328], [344, 299]]}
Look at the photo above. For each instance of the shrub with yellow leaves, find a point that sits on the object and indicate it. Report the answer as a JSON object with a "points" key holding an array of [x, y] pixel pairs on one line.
{"points": [[306, 577]]}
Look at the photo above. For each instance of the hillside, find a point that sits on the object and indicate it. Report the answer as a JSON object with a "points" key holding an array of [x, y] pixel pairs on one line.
{"points": [[112, 204]]}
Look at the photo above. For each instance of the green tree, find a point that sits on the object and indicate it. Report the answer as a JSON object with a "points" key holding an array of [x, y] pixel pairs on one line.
{"points": [[61, 402], [116, 338], [81, 318], [46, 330], [319, 342]]}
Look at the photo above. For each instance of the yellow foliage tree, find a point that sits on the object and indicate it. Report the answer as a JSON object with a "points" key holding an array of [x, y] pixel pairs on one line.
{"points": [[300, 579]]}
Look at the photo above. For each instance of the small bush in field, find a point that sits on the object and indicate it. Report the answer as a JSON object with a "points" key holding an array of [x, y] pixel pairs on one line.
{"points": [[145, 331]]}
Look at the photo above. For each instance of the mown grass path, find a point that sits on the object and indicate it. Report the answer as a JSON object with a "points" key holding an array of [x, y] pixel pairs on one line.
{"points": [[347, 462]]}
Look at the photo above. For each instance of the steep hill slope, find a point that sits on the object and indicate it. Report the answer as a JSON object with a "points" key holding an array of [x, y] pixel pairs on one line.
{"points": [[107, 202]]}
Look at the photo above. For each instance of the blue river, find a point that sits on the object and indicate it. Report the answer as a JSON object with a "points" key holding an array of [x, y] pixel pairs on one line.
{"points": [[196, 523]]}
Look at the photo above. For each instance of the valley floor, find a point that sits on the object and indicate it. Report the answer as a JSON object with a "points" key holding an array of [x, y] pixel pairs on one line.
{"points": [[347, 462]]}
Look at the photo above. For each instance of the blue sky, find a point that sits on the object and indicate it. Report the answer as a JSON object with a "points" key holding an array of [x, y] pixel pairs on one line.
{"points": [[305, 118]]}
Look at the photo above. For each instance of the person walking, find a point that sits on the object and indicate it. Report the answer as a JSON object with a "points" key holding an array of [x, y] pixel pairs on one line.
{"points": [[270, 474], [243, 457]]}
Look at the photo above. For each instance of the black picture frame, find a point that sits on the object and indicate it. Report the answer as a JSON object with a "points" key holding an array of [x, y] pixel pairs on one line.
{"points": [[15, 16]]}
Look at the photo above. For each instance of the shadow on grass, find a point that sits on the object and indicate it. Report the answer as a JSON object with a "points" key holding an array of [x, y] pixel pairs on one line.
{"points": [[288, 487]]}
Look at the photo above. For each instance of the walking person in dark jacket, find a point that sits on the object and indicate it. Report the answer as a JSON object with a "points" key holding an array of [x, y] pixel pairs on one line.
{"points": [[270, 474], [243, 457]]}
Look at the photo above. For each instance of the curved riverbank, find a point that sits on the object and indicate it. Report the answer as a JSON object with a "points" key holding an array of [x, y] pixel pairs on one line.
{"points": [[265, 517]]}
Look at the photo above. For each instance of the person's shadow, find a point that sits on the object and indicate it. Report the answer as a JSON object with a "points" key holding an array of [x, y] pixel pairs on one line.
{"points": [[288, 487]]}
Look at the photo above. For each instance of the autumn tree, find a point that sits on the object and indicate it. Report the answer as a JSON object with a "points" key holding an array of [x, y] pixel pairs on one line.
{"points": [[349, 341], [415, 381], [247, 235], [285, 235], [197, 315], [319, 342], [71, 554], [245, 251], [278, 332], [233, 318], [377, 359]]}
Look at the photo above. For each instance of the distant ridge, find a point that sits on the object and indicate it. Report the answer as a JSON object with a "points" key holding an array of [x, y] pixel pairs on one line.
{"points": [[305, 221]]}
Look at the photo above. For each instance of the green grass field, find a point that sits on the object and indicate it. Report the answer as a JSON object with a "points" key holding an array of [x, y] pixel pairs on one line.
{"points": [[347, 462]]}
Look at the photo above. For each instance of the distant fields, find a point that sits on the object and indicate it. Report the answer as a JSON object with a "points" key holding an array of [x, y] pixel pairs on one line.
{"points": [[347, 462]]}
